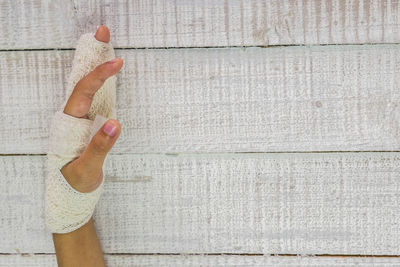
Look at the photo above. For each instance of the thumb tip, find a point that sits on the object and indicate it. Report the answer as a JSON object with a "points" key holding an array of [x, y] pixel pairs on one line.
{"points": [[112, 128]]}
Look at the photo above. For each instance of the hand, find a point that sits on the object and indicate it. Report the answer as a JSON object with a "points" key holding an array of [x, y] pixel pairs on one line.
{"points": [[85, 173], [81, 247]]}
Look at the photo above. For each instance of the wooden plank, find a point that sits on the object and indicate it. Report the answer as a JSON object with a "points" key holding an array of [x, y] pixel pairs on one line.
{"points": [[208, 23], [328, 98], [205, 260], [312, 203]]}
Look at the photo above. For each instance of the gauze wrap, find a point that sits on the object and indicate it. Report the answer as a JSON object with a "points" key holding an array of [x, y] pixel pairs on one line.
{"points": [[67, 209]]}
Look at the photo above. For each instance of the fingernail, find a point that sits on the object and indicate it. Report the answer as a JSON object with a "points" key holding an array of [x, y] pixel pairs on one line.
{"points": [[112, 61], [110, 129]]}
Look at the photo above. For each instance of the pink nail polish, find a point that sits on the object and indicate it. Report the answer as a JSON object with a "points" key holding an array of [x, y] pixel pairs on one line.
{"points": [[112, 61], [110, 129]]}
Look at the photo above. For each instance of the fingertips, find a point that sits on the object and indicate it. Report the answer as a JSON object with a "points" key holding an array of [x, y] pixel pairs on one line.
{"points": [[92, 82], [79, 102], [102, 34], [105, 70], [111, 128], [105, 139], [114, 65]]}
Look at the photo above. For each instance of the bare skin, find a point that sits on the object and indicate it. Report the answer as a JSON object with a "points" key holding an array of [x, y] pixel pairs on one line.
{"points": [[81, 247]]}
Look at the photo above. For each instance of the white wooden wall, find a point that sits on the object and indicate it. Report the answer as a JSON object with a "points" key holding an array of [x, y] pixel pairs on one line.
{"points": [[253, 131]]}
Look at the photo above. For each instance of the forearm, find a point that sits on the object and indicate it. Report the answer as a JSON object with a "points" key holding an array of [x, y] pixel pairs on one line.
{"points": [[79, 248]]}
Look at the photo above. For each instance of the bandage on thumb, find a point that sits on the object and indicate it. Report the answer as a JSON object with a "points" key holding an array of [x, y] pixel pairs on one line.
{"points": [[66, 208]]}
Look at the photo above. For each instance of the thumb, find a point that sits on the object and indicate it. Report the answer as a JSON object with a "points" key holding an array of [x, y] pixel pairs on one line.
{"points": [[92, 159]]}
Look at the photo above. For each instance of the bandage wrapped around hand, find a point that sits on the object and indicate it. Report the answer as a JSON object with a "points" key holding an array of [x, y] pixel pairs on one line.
{"points": [[67, 209]]}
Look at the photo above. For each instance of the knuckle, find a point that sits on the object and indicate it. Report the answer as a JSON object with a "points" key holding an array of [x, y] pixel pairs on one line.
{"points": [[80, 88], [80, 171], [99, 144], [85, 179], [81, 105]]}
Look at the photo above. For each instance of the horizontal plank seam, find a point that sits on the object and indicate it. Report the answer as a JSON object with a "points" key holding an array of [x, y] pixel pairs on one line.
{"points": [[204, 47], [224, 153], [222, 254]]}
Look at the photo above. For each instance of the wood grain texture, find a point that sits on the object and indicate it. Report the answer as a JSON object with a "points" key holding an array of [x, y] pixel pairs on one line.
{"points": [[195, 260], [330, 98], [208, 23], [313, 203]]}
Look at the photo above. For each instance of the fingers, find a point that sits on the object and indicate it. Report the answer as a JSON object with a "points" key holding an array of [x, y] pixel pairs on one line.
{"points": [[85, 173], [79, 102], [102, 34]]}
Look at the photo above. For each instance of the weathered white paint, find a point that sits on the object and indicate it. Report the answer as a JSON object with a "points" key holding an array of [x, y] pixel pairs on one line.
{"points": [[312, 203], [218, 100], [206, 260], [187, 23], [331, 98]]}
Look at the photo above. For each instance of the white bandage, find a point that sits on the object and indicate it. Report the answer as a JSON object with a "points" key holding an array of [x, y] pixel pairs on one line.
{"points": [[67, 209]]}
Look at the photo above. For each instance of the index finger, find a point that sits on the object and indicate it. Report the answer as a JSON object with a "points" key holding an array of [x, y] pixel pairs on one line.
{"points": [[81, 98]]}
